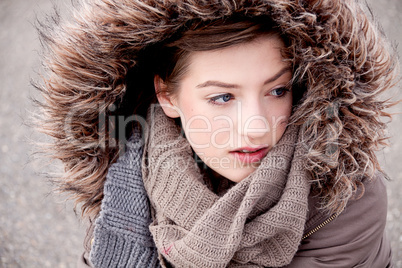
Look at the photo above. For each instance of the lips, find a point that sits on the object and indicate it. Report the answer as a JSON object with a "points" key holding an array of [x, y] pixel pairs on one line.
{"points": [[249, 155]]}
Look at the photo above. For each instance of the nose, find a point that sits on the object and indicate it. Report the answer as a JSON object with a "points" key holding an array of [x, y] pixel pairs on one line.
{"points": [[252, 123]]}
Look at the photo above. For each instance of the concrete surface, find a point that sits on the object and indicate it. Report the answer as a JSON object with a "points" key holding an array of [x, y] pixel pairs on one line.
{"points": [[38, 229]]}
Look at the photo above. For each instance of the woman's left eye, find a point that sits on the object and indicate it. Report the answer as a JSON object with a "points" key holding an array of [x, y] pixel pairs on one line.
{"points": [[279, 92]]}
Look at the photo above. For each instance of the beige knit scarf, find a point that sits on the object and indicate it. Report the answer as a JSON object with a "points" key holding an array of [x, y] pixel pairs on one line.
{"points": [[258, 222]]}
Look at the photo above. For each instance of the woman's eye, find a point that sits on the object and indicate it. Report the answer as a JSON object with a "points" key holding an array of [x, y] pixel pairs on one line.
{"points": [[220, 99], [278, 92]]}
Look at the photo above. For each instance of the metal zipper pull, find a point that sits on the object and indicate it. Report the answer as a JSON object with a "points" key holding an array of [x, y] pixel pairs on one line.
{"points": [[333, 216]]}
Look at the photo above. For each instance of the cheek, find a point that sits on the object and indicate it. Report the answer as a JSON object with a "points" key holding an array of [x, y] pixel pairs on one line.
{"points": [[278, 118], [197, 129], [205, 132], [222, 131]]}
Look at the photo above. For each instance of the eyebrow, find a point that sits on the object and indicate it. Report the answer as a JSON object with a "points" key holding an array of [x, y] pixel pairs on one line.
{"points": [[214, 83]]}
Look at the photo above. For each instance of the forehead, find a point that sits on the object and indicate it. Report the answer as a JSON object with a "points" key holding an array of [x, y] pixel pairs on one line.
{"points": [[256, 59]]}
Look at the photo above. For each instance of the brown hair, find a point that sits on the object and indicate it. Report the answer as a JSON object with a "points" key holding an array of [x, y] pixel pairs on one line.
{"points": [[98, 60]]}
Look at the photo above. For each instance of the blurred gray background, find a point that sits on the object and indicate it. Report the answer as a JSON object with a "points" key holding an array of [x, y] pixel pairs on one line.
{"points": [[38, 229]]}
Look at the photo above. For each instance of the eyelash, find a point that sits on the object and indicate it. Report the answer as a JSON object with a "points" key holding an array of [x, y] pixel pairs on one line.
{"points": [[214, 99]]}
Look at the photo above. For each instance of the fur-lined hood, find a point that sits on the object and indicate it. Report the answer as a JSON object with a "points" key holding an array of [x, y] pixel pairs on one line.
{"points": [[337, 54]]}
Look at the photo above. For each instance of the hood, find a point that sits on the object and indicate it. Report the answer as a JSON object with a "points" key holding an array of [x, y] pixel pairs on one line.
{"points": [[338, 56]]}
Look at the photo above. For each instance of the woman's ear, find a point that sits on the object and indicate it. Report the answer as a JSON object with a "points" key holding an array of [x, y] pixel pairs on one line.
{"points": [[165, 100]]}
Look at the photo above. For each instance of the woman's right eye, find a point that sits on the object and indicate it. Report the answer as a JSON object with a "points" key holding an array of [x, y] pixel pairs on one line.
{"points": [[221, 99]]}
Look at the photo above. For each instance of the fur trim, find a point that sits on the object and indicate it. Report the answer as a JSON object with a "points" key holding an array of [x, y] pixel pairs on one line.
{"points": [[339, 57]]}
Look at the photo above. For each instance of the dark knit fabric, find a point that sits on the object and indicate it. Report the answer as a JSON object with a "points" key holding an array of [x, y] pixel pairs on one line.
{"points": [[121, 236]]}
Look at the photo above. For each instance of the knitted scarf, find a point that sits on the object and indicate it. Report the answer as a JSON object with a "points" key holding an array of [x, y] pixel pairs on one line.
{"points": [[258, 222]]}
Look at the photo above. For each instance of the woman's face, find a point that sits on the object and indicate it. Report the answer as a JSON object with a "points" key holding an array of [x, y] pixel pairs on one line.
{"points": [[234, 104]]}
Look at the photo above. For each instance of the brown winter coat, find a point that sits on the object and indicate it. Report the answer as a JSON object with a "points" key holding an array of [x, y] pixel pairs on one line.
{"points": [[356, 238]]}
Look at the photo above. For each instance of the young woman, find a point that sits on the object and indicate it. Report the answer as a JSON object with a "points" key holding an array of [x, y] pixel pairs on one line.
{"points": [[221, 133]]}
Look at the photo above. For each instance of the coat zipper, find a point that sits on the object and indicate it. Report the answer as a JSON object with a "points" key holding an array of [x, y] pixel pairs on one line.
{"points": [[321, 225]]}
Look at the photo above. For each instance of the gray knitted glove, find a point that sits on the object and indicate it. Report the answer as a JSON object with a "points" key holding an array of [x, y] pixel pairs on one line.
{"points": [[121, 235]]}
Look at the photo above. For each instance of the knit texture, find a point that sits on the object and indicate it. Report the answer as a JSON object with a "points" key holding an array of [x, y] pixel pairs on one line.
{"points": [[258, 222], [121, 235]]}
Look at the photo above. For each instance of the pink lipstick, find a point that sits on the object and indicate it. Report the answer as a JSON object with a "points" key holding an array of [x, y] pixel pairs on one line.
{"points": [[250, 155]]}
